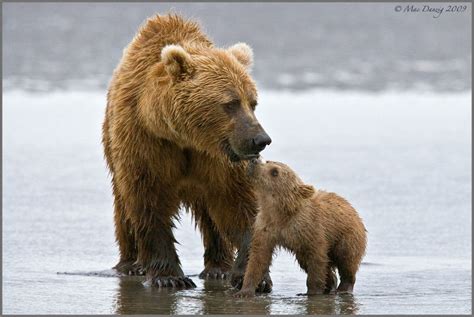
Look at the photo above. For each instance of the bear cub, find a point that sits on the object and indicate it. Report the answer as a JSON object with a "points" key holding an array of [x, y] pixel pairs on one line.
{"points": [[322, 229]]}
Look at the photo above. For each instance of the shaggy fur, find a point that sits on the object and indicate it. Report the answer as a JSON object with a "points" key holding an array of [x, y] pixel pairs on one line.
{"points": [[178, 130], [321, 229]]}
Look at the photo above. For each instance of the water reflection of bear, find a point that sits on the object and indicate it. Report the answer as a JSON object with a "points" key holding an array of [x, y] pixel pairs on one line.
{"points": [[215, 297], [134, 298], [344, 304]]}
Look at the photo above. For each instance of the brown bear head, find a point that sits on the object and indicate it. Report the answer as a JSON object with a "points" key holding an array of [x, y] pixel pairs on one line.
{"points": [[210, 100], [276, 183]]}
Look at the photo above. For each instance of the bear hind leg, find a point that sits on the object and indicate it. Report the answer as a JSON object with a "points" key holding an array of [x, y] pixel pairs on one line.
{"points": [[347, 273], [347, 266], [321, 277], [348, 256], [318, 275], [331, 280]]}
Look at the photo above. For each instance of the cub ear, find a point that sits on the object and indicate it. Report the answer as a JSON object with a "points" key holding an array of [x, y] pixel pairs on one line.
{"points": [[177, 61], [243, 53], [306, 191]]}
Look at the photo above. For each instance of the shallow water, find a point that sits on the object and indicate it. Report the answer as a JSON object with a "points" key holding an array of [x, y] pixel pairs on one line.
{"points": [[402, 159]]}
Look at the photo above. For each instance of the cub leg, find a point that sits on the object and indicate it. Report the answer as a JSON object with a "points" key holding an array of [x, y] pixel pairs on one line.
{"points": [[261, 252], [348, 256], [319, 272], [347, 272], [331, 280]]}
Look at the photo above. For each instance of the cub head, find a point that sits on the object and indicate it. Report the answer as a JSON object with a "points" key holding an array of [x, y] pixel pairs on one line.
{"points": [[211, 99], [278, 183]]}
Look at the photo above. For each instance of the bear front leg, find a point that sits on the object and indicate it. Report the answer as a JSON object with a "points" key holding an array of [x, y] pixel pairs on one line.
{"points": [[151, 213], [218, 253], [157, 254], [126, 242], [255, 276]]}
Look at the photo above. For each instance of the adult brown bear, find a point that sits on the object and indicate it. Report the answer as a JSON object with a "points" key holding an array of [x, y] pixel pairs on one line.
{"points": [[179, 130]]}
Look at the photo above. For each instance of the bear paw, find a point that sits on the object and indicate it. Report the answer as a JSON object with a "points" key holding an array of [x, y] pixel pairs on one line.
{"points": [[265, 286], [130, 268], [214, 273], [182, 282]]}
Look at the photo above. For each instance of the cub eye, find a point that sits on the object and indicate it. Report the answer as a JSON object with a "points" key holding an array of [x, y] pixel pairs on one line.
{"points": [[232, 106], [274, 172]]}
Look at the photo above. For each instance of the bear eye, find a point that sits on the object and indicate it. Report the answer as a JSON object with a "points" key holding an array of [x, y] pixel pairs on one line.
{"points": [[274, 172], [232, 106], [253, 105]]}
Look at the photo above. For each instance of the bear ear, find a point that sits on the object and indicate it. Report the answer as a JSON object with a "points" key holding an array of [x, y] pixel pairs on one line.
{"points": [[177, 61], [243, 53], [306, 191]]}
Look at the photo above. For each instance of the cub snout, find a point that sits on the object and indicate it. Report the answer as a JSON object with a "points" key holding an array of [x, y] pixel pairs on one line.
{"points": [[254, 167]]}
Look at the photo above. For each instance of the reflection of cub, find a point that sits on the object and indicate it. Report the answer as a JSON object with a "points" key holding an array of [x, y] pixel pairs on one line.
{"points": [[321, 229]]}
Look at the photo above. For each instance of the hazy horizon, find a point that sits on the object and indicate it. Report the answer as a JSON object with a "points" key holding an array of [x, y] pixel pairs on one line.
{"points": [[297, 46]]}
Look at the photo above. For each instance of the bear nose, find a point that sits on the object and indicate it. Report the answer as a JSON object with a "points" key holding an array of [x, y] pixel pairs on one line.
{"points": [[261, 141]]}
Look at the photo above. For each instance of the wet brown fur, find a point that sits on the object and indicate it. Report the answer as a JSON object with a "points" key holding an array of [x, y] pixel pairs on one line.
{"points": [[163, 139], [322, 229]]}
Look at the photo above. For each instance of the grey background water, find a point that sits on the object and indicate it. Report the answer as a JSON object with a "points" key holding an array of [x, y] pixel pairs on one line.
{"points": [[296, 45], [379, 101]]}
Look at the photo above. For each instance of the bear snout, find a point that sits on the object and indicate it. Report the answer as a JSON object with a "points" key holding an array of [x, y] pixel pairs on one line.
{"points": [[260, 142]]}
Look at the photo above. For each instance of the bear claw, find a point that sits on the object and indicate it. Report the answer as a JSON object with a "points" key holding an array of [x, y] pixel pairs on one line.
{"points": [[129, 268], [173, 282], [214, 274]]}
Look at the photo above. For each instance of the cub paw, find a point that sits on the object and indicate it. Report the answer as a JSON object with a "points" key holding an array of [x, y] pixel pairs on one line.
{"points": [[236, 279], [265, 286], [312, 292], [244, 293]]}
